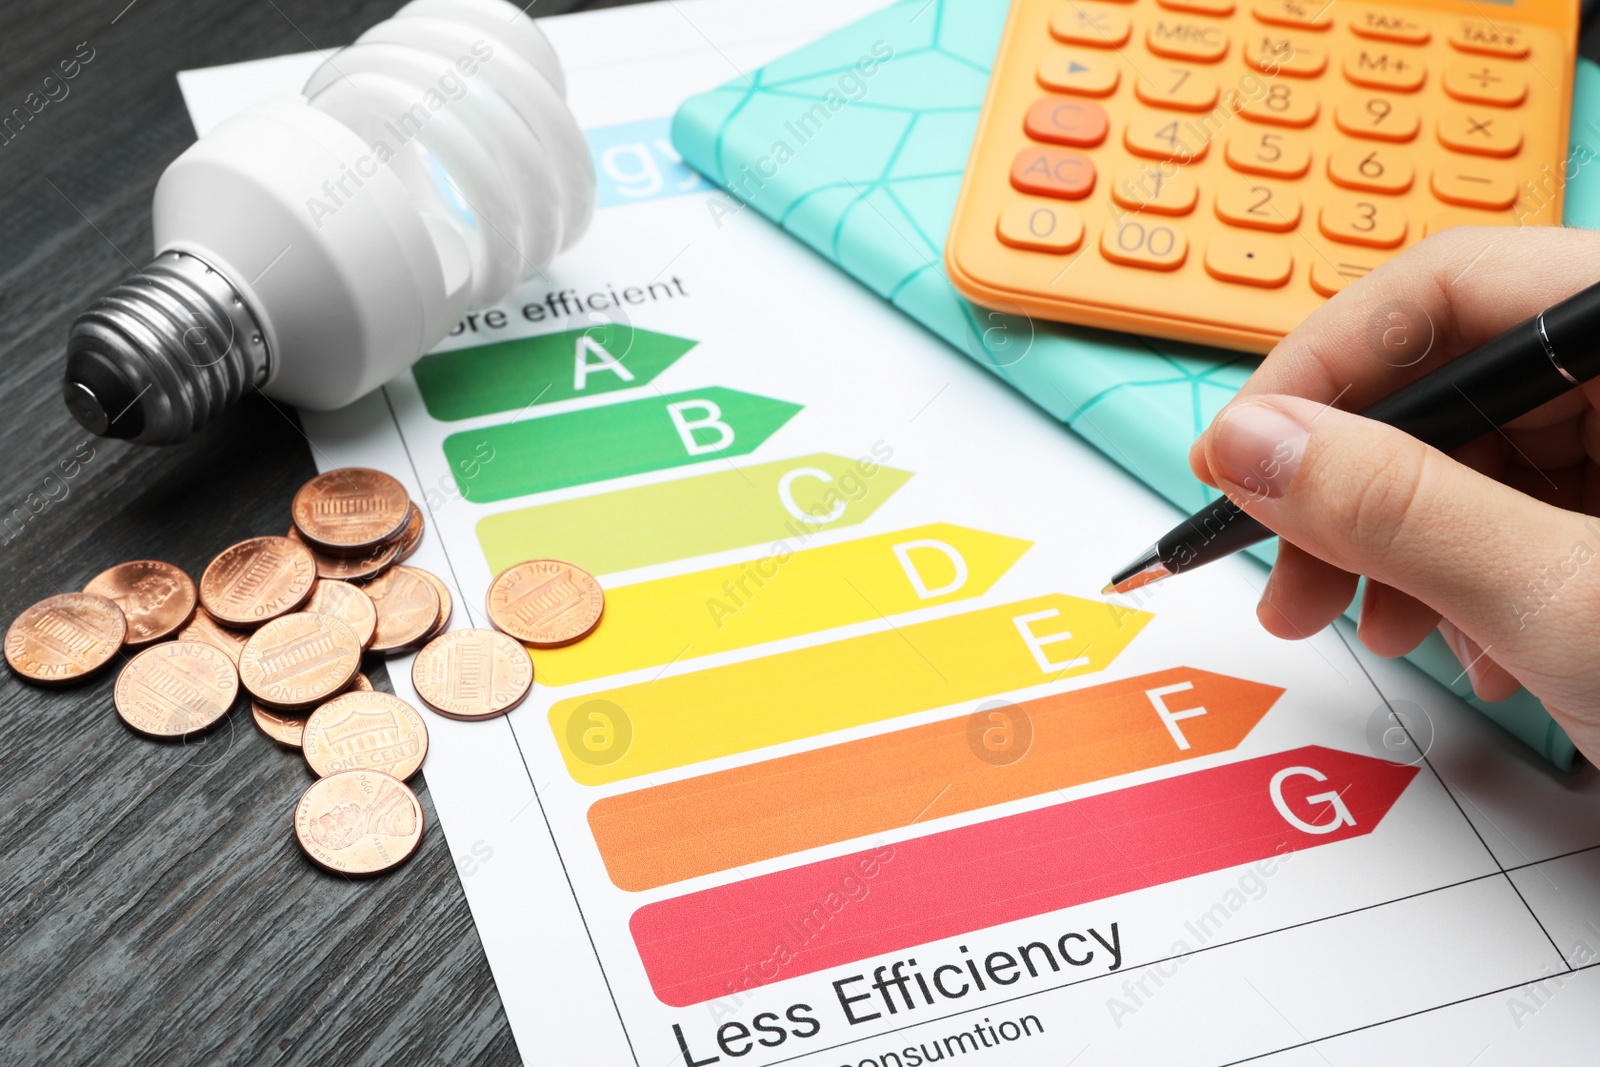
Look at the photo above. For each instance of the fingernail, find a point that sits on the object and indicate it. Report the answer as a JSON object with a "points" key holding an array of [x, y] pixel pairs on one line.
{"points": [[1258, 448]]}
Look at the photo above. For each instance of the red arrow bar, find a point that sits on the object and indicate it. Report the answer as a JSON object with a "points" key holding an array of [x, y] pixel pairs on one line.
{"points": [[836, 911]]}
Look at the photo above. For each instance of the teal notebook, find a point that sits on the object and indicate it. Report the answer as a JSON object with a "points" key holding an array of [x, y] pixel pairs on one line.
{"points": [[856, 144]]}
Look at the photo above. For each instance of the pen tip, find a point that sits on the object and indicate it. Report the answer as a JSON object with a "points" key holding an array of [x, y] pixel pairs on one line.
{"points": [[1146, 569]]}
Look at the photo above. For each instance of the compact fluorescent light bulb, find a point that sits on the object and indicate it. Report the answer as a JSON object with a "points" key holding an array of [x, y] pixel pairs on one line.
{"points": [[315, 246]]}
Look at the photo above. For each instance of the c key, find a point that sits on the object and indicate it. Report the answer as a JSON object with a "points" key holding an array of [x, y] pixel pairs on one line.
{"points": [[1080, 123]]}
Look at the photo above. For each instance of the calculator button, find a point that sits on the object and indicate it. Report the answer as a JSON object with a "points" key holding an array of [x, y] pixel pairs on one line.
{"points": [[1096, 25], [1199, 7], [1377, 67], [1335, 268], [1163, 190], [1083, 73], [1377, 118], [1148, 243], [1490, 186], [1483, 133], [1177, 87], [1249, 259], [1202, 42], [1446, 218], [1258, 205], [1269, 152], [1483, 81], [1373, 168], [1304, 14], [1489, 39], [1053, 172], [1273, 52], [1159, 136], [1282, 105], [1379, 25], [1356, 220], [1041, 226], [1061, 121]]}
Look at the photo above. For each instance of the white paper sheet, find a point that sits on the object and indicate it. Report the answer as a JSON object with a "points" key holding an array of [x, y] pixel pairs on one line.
{"points": [[1452, 928]]}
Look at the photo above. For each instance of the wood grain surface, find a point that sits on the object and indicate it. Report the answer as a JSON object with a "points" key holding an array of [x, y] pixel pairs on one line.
{"points": [[154, 907]]}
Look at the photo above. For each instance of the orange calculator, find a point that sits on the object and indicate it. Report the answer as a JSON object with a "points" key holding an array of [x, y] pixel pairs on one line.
{"points": [[1213, 170]]}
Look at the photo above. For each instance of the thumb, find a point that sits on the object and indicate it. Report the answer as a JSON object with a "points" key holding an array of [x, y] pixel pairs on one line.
{"points": [[1508, 570]]}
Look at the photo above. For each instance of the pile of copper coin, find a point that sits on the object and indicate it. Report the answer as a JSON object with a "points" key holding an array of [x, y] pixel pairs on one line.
{"points": [[289, 619]]}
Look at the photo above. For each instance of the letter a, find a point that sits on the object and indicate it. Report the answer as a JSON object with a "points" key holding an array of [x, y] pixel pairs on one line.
{"points": [[582, 367]]}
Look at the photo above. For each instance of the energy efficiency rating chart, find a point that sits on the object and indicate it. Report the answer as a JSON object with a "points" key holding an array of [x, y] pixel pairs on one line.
{"points": [[860, 767]]}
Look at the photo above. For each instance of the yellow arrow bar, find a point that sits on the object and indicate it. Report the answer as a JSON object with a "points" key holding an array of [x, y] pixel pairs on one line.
{"points": [[655, 726], [794, 591]]}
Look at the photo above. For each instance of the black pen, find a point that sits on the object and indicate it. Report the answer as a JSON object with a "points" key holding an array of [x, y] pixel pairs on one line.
{"points": [[1486, 387]]}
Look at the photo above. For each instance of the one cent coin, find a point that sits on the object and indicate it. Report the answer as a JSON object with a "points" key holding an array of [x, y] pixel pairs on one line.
{"points": [[346, 603], [65, 637], [350, 511], [156, 598], [176, 689], [288, 727], [472, 674], [299, 661], [204, 628], [411, 536], [545, 602], [257, 580], [358, 822], [350, 568], [408, 609], [370, 731], [446, 605]]}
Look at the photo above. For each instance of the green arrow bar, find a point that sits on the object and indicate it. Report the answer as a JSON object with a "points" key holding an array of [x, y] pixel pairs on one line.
{"points": [[758, 505], [516, 375], [611, 441]]}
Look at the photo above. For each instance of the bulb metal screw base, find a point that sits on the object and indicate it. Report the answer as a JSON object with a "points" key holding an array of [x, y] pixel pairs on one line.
{"points": [[163, 353]]}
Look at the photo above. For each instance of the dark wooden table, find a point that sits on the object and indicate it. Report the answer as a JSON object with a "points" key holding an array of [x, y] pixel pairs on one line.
{"points": [[154, 907]]}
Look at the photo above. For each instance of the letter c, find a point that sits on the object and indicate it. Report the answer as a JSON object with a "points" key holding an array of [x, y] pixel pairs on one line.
{"points": [[938, 982], [786, 496]]}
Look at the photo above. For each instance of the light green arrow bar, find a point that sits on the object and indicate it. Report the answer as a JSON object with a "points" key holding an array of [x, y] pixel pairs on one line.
{"points": [[516, 375], [765, 504], [595, 444]]}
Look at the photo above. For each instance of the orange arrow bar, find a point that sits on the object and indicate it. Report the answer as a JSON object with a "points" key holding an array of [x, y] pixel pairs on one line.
{"points": [[1001, 752]]}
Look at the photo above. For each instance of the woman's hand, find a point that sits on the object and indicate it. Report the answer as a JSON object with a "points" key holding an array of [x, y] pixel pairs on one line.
{"points": [[1495, 545]]}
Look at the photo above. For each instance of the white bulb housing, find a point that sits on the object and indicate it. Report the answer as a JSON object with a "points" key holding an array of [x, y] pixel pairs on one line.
{"points": [[315, 246]]}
